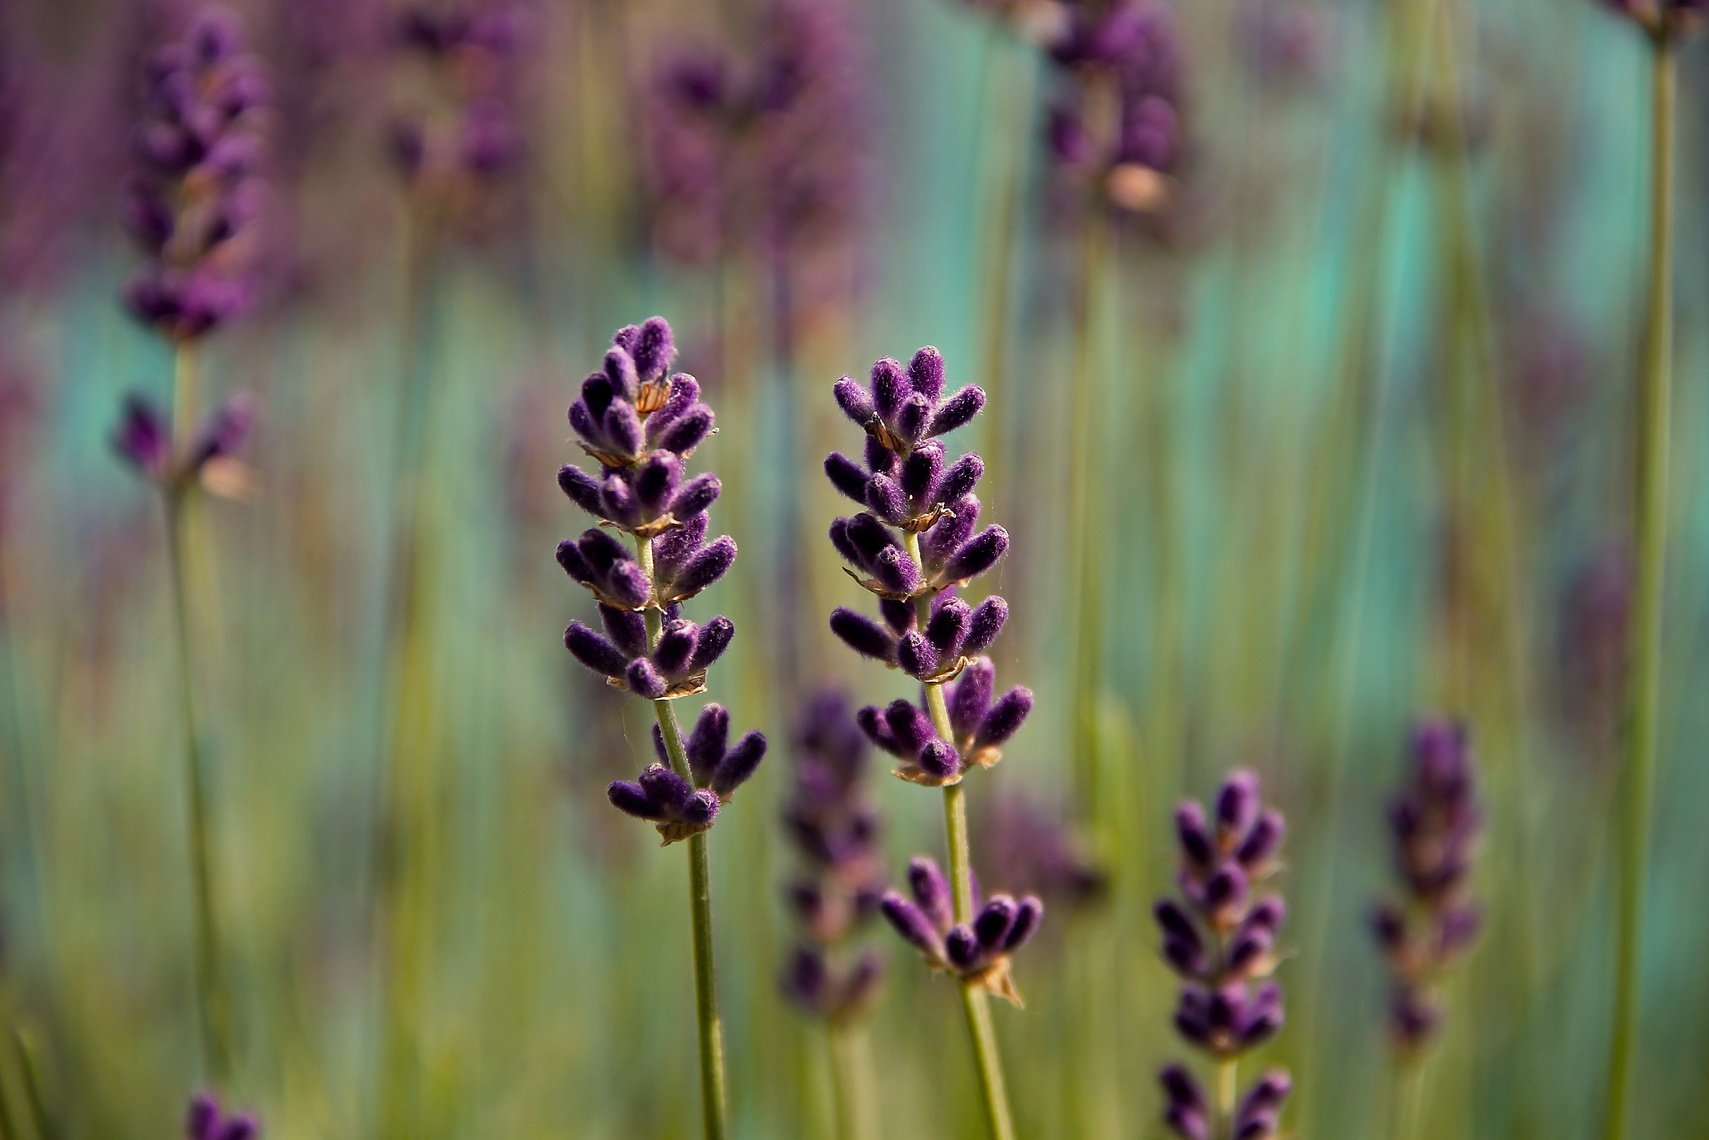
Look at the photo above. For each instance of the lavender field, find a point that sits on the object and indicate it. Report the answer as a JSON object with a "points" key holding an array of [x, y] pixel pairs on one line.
{"points": [[853, 569]]}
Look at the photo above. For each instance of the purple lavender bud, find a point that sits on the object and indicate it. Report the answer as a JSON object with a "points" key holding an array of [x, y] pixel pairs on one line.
{"points": [[1181, 1089], [594, 651], [887, 500], [978, 555], [926, 373], [1388, 927], [695, 496], [963, 475], [1261, 1018], [961, 947], [985, 624], [931, 891], [1267, 1094], [656, 481], [687, 432], [922, 473], [707, 742], [715, 637], [202, 1117], [863, 635], [847, 476], [645, 680], [739, 764], [1172, 917], [939, 758], [1225, 893], [1262, 841], [950, 532], [677, 643], [1028, 914], [895, 571], [804, 978], [910, 923], [1005, 718], [890, 389], [909, 725], [581, 488], [700, 809], [1237, 804], [854, 400], [627, 629], [704, 568], [911, 420], [143, 439], [240, 1128], [916, 655], [665, 788], [621, 373], [956, 411], [991, 926], [1193, 835], [947, 629], [654, 349], [969, 697], [630, 797], [1267, 913]]}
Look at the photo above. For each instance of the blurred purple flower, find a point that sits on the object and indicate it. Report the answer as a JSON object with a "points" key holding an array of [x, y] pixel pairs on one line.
{"points": [[196, 185], [1592, 645], [204, 1120], [1032, 847], [1435, 823], [834, 828], [1220, 936], [1287, 43], [143, 439]]}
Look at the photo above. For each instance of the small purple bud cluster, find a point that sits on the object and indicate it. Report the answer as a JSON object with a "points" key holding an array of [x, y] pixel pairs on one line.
{"points": [[1221, 940], [195, 188], [1030, 845], [143, 439], [1120, 120], [469, 128], [978, 952], [205, 1121], [907, 483], [834, 829], [1434, 822], [641, 423]]}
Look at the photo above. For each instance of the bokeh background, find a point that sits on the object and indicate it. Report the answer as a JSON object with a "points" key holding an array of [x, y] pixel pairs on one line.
{"points": [[1362, 394]]}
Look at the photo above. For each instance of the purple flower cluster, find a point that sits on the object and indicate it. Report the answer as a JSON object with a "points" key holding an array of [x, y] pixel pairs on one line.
{"points": [[144, 440], [205, 1121], [195, 188], [641, 422], [834, 829], [924, 628], [764, 154], [1119, 119], [1662, 19], [1434, 823], [978, 952], [1029, 845], [1219, 936], [465, 124]]}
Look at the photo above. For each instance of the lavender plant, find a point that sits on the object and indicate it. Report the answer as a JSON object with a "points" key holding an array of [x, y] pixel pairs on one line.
{"points": [[1665, 23], [205, 1120], [189, 204], [1219, 936], [834, 829], [913, 547], [1434, 823], [641, 423]]}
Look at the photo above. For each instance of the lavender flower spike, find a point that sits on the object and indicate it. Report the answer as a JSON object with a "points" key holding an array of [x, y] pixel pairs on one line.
{"points": [[195, 188], [1434, 823], [978, 951], [203, 1120], [1220, 936]]}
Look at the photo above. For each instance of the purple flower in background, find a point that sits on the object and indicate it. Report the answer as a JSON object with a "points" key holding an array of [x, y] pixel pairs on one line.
{"points": [[1662, 19], [976, 951], [196, 187], [205, 1121], [1434, 822], [1593, 643], [461, 124], [1118, 119], [1220, 937], [765, 152], [1030, 845], [640, 423], [834, 829], [143, 439], [1286, 43]]}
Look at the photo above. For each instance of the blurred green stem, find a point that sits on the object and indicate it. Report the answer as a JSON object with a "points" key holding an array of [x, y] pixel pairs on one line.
{"points": [[975, 1001], [1227, 1078], [852, 1084], [1406, 1097], [714, 1101], [210, 978], [1650, 487], [1085, 464]]}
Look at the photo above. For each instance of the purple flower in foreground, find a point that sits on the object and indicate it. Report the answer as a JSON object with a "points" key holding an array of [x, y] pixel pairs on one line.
{"points": [[641, 424], [1434, 823], [834, 829], [195, 188], [976, 951], [980, 725], [143, 439], [204, 1121], [1219, 936]]}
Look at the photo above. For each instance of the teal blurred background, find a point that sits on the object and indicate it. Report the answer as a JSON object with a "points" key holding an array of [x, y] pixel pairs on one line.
{"points": [[1365, 412]]}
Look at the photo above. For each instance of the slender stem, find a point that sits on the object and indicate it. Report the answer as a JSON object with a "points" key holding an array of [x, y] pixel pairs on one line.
{"points": [[1083, 499], [714, 1101], [1654, 397], [1227, 1079], [210, 979], [1406, 1098], [852, 1085], [974, 1000]]}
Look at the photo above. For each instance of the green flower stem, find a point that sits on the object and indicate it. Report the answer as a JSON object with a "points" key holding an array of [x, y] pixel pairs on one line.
{"points": [[975, 1001], [1654, 398], [1406, 1098], [714, 1100], [852, 1085], [1227, 1081], [215, 1009]]}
